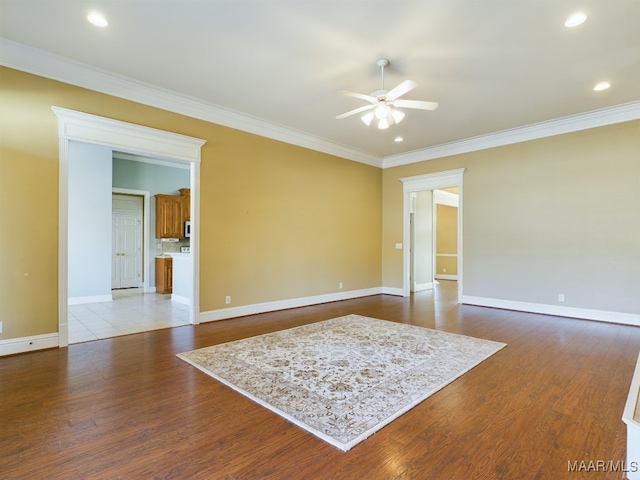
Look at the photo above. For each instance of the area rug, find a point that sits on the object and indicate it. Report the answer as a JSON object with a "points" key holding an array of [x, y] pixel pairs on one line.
{"points": [[343, 379]]}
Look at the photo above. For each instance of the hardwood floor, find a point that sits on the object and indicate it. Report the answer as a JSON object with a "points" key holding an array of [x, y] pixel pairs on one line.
{"points": [[127, 407]]}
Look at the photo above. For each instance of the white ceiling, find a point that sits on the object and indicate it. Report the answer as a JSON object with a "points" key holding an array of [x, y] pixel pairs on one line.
{"points": [[492, 65]]}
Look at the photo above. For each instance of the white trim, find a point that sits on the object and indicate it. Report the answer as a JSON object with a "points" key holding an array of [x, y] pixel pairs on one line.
{"points": [[28, 344], [153, 161], [450, 199], [572, 123], [241, 311], [419, 183], [545, 309], [420, 287], [129, 138], [146, 233], [180, 299], [89, 299], [194, 243], [432, 181], [56, 67], [628, 415], [443, 276], [392, 291], [45, 64], [446, 254], [63, 240], [633, 425]]}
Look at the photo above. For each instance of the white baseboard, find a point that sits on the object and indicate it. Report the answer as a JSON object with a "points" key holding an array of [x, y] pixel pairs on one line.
{"points": [[93, 299], [392, 291], [423, 286], [255, 308], [442, 276], [560, 311], [28, 344], [180, 299]]}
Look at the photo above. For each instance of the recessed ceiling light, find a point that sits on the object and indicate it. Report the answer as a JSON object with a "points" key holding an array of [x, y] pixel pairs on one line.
{"points": [[398, 139], [575, 20], [97, 19], [601, 86]]}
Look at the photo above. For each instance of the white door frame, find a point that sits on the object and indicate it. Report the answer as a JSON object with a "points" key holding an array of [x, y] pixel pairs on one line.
{"points": [[130, 138], [146, 232], [419, 183]]}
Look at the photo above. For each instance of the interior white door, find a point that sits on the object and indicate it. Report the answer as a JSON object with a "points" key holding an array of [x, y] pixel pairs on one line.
{"points": [[126, 269]]}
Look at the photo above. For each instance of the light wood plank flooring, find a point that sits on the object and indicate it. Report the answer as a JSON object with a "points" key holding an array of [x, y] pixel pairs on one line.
{"points": [[128, 408]]}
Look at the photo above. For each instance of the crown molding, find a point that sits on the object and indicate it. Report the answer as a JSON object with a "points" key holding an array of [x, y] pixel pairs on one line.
{"points": [[572, 123], [56, 67]]}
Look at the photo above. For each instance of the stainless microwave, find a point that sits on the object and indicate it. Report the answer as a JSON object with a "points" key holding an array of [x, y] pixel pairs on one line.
{"points": [[187, 229]]}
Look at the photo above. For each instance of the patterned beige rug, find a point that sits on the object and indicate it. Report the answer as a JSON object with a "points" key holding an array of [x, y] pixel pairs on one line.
{"points": [[343, 379]]}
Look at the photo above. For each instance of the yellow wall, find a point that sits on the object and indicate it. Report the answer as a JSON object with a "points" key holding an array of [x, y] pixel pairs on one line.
{"points": [[555, 215], [446, 239], [277, 221], [543, 217]]}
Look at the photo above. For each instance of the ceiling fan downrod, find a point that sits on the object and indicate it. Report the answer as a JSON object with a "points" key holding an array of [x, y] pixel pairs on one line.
{"points": [[383, 62]]}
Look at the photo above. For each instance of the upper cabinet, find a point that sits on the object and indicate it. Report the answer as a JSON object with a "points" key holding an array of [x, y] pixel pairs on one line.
{"points": [[186, 193], [171, 213]]}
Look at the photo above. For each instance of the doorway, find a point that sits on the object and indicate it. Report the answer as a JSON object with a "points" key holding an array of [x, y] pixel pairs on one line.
{"points": [[433, 248], [129, 138], [428, 183], [445, 223], [422, 241]]}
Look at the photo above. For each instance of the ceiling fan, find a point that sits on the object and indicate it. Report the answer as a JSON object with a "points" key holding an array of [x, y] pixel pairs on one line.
{"points": [[384, 104]]}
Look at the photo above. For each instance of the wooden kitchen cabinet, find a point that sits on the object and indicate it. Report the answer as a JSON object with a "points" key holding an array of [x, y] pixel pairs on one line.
{"points": [[186, 193], [164, 274], [170, 216]]}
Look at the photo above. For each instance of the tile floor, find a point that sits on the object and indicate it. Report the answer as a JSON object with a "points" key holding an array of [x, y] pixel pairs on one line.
{"points": [[131, 311]]}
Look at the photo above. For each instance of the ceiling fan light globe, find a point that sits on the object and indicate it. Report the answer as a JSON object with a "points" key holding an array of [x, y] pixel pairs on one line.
{"points": [[367, 117], [397, 115], [382, 111], [383, 124]]}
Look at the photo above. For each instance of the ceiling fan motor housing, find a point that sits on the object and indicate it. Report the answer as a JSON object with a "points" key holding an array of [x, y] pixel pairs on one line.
{"points": [[380, 94]]}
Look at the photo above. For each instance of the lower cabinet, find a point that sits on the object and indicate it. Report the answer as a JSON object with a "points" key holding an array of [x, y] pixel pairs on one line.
{"points": [[164, 274]]}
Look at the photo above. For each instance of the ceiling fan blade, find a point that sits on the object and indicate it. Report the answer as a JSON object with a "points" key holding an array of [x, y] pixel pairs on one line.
{"points": [[401, 89], [420, 104], [368, 98], [353, 112]]}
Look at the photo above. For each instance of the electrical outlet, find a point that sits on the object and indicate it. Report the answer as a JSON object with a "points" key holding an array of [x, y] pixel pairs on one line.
{"points": [[444, 270], [0, 327], [227, 299], [340, 285], [561, 297]]}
